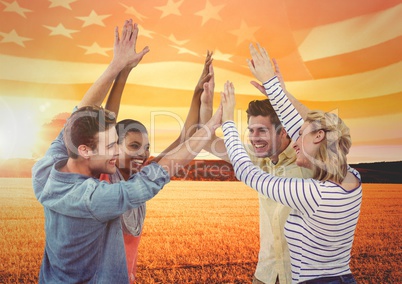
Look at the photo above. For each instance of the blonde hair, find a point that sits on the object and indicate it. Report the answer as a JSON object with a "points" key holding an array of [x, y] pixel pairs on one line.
{"points": [[330, 161]]}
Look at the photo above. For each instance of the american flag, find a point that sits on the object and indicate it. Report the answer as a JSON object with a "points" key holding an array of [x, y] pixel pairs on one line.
{"points": [[343, 55]]}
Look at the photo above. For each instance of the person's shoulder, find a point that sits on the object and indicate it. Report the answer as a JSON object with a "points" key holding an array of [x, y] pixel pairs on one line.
{"points": [[355, 172], [289, 151]]}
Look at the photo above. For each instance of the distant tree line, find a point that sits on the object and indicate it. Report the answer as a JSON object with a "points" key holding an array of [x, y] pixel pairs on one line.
{"points": [[218, 170]]}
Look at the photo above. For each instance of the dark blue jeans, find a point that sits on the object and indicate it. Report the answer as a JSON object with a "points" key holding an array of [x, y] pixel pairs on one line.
{"points": [[342, 279]]}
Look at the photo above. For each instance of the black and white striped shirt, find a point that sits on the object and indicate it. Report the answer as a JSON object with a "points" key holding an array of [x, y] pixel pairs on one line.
{"points": [[320, 228]]}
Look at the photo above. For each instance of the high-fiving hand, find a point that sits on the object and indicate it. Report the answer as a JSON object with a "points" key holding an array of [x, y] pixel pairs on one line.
{"points": [[277, 74], [260, 64], [125, 54], [207, 73], [228, 102]]}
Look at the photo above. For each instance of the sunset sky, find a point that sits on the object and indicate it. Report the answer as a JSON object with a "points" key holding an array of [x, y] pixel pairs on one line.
{"points": [[336, 55]]}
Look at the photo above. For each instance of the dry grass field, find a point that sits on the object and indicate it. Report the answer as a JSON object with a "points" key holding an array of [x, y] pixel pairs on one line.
{"points": [[202, 232]]}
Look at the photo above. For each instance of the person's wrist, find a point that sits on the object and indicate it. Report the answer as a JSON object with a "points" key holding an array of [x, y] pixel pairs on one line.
{"points": [[116, 66], [227, 118], [198, 90], [267, 78], [127, 69]]}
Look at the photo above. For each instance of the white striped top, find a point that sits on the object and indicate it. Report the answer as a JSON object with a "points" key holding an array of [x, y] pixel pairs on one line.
{"points": [[320, 228]]}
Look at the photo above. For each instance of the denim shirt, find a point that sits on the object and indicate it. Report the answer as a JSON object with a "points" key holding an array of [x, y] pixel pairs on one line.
{"points": [[84, 241]]}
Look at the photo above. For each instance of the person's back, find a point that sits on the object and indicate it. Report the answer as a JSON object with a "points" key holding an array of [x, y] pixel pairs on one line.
{"points": [[320, 242]]}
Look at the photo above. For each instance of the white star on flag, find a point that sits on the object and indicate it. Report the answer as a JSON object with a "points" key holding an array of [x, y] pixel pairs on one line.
{"points": [[61, 3], [96, 49], [173, 39], [13, 37], [93, 19], [245, 33], [60, 30], [210, 12], [183, 50], [15, 7], [171, 8], [130, 10]]}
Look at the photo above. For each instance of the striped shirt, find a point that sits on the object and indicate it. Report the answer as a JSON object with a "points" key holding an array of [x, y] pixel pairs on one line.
{"points": [[320, 228]]}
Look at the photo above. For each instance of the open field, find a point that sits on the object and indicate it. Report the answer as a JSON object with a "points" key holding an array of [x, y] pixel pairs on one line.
{"points": [[202, 232]]}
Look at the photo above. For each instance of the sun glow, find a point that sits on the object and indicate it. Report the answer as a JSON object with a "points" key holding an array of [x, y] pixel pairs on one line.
{"points": [[18, 130]]}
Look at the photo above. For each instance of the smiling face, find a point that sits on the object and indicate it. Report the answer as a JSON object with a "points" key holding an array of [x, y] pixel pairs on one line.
{"points": [[264, 138], [134, 151], [103, 158]]}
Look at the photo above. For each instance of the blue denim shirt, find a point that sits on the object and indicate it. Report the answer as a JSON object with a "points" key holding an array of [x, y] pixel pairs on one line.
{"points": [[84, 241]]}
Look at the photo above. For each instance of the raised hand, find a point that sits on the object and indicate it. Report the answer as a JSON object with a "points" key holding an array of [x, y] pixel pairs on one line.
{"points": [[300, 107], [260, 64], [124, 58], [207, 98], [277, 73], [214, 122], [192, 119], [125, 55], [206, 74], [259, 87], [208, 87], [228, 102]]}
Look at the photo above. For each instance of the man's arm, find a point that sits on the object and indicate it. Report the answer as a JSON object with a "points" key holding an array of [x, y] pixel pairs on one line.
{"points": [[191, 123], [180, 156], [124, 56], [114, 99]]}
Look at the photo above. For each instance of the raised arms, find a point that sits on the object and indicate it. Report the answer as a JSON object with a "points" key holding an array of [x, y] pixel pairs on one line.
{"points": [[215, 145], [191, 122], [261, 67], [301, 108], [124, 55], [180, 156]]}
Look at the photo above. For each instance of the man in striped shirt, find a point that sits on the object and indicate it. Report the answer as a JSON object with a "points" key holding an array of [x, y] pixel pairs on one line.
{"points": [[270, 149]]}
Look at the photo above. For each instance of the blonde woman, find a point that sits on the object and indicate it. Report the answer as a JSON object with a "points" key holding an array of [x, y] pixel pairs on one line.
{"points": [[325, 209]]}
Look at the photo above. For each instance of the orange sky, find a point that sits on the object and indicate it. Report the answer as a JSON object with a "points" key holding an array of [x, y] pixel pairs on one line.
{"points": [[334, 55]]}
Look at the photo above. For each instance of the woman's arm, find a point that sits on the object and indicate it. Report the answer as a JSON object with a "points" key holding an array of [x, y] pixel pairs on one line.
{"points": [[287, 113], [215, 145], [114, 98], [301, 108], [300, 194], [191, 122], [180, 156], [262, 69]]}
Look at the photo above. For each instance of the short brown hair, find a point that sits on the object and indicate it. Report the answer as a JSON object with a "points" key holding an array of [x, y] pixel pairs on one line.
{"points": [[264, 108], [83, 126]]}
